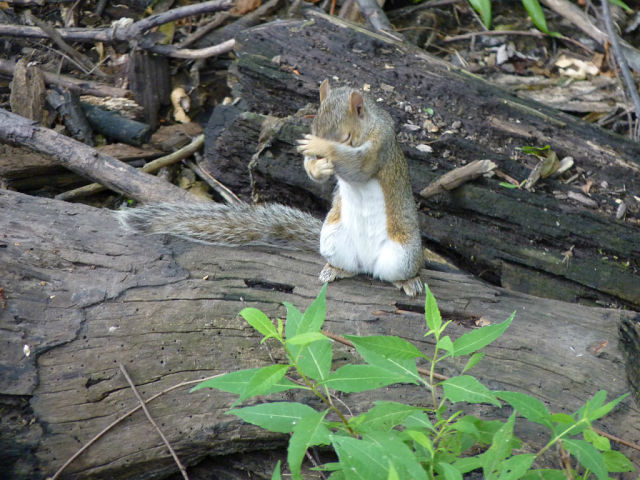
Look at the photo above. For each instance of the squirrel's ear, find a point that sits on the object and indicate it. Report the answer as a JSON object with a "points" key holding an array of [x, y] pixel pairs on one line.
{"points": [[325, 88], [356, 104]]}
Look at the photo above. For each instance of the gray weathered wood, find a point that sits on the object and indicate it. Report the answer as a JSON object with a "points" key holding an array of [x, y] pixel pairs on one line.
{"points": [[84, 296]]}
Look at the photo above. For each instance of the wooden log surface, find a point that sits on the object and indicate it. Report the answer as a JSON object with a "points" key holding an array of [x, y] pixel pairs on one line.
{"points": [[84, 296], [540, 242]]}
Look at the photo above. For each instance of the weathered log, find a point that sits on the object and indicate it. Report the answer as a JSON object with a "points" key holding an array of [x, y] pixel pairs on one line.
{"points": [[80, 296], [539, 242]]}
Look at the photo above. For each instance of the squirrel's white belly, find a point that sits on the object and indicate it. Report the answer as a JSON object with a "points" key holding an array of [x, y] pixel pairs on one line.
{"points": [[359, 242]]}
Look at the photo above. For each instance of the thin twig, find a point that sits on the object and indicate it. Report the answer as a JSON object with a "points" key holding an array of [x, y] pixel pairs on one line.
{"points": [[153, 422], [119, 33], [528, 33], [219, 187], [622, 61], [82, 60], [619, 440], [84, 87], [100, 434], [218, 19], [193, 54], [377, 18]]}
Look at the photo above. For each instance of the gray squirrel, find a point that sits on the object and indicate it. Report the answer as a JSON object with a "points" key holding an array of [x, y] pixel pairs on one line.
{"points": [[372, 226]]}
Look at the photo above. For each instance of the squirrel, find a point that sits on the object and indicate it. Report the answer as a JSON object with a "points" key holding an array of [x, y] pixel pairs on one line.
{"points": [[372, 226]]}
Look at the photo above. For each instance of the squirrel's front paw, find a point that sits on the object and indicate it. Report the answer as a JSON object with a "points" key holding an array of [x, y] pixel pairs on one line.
{"points": [[318, 169], [310, 145]]}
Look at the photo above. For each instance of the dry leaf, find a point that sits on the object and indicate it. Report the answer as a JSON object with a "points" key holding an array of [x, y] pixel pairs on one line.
{"points": [[586, 188], [245, 6]]}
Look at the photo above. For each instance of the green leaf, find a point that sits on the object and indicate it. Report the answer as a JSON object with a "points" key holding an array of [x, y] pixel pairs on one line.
{"points": [[622, 5], [276, 472], [233, 382], [473, 361], [515, 467], [480, 338], [537, 151], [279, 417], [594, 412], [588, 456], [405, 369], [537, 15], [236, 382], [313, 318], [508, 185], [294, 318], [448, 471], [314, 361], [358, 378], [398, 453], [310, 430], [467, 464], [446, 344], [264, 381], [563, 419], [598, 441], [431, 312], [361, 459], [420, 438], [383, 416], [418, 421], [259, 321], [388, 346], [393, 474], [529, 407], [500, 449], [617, 462], [466, 388], [482, 431], [483, 7], [306, 338]]}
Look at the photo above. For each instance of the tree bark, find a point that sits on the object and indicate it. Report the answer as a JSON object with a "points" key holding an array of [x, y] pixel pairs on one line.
{"points": [[81, 296]]}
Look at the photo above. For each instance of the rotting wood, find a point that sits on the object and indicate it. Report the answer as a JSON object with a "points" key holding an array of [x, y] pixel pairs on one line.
{"points": [[83, 296]]}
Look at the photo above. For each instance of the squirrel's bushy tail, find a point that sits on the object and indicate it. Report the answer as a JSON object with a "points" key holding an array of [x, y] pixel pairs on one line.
{"points": [[231, 225]]}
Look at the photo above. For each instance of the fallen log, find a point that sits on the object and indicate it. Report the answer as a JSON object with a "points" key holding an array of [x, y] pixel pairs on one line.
{"points": [[539, 242], [80, 297]]}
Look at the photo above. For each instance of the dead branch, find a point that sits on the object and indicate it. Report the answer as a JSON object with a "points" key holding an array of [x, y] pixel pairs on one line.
{"points": [[88, 162], [83, 87], [193, 54], [120, 31]]}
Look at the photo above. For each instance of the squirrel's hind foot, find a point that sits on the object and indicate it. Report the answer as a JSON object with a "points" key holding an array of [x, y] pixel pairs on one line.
{"points": [[330, 273], [411, 287]]}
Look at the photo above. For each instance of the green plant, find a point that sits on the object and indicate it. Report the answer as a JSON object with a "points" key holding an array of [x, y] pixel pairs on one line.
{"points": [[393, 440], [483, 7]]}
